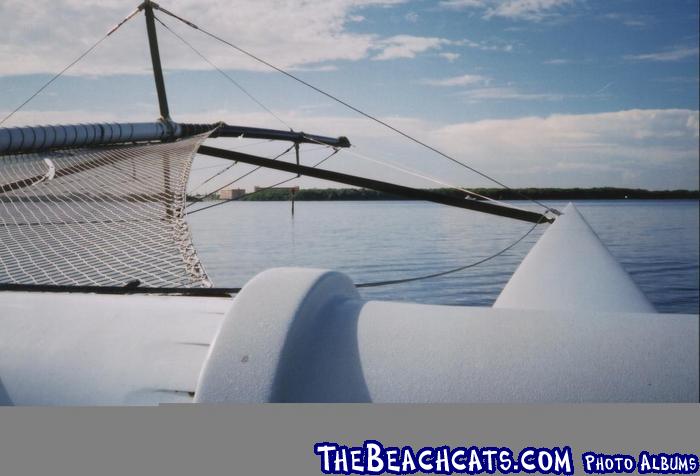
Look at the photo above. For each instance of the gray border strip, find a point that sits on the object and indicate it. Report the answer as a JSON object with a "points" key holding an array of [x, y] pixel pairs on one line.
{"points": [[270, 440]]}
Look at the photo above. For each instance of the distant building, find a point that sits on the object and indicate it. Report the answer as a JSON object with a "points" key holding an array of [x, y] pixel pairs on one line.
{"points": [[231, 193]]}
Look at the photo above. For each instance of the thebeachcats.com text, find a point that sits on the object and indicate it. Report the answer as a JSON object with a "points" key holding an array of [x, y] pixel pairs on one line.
{"points": [[374, 457]]}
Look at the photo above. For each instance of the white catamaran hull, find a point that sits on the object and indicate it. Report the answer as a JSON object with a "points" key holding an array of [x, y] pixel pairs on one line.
{"points": [[570, 326]]}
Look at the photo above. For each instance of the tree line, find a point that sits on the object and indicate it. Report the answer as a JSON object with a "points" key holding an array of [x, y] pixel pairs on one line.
{"points": [[597, 193]]}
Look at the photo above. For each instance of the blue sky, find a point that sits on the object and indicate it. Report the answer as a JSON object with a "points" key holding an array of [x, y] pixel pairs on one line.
{"points": [[535, 92]]}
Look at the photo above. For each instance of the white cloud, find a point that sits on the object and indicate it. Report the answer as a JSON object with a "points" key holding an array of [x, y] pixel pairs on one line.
{"points": [[450, 57], [45, 35], [508, 93], [675, 54], [407, 46], [659, 146], [319, 68], [534, 10], [463, 3], [633, 21], [530, 10], [486, 46], [557, 61], [412, 17], [464, 80], [656, 149], [76, 116]]}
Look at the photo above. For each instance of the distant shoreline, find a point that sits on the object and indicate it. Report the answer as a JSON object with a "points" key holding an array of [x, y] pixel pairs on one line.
{"points": [[356, 194]]}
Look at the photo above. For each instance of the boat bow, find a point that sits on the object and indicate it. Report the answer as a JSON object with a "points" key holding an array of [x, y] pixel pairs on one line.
{"points": [[570, 268]]}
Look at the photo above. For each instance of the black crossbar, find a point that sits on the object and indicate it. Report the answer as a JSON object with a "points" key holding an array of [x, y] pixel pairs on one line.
{"points": [[58, 288], [225, 130], [386, 187]]}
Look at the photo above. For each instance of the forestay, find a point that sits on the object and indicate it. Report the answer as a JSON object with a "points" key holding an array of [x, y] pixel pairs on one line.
{"points": [[99, 216]]}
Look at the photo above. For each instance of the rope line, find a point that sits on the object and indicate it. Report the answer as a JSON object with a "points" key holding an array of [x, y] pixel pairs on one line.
{"points": [[222, 171], [259, 103], [236, 179], [226, 75], [357, 110], [83, 55], [415, 173], [449, 271], [335, 151]]}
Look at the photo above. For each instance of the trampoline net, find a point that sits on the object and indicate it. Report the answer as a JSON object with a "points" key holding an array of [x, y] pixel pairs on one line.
{"points": [[99, 216]]}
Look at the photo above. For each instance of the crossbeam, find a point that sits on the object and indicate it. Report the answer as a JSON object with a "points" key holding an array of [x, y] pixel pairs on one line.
{"points": [[386, 187], [225, 130], [22, 140]]}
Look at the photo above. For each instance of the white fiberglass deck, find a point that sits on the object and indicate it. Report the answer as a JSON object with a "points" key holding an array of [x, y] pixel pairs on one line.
{"points": [[305, 335], [304, 346], [87, 349]]}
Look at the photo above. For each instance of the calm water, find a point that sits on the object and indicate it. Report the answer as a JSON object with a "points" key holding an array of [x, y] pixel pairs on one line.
{"points": [[656, 242]]}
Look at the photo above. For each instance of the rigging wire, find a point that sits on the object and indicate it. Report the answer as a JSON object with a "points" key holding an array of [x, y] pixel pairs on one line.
{"points": [[215, 166], [196, 200], [259, 103], [243, 196], [83, 55], [449, 271], [387, 164], [335, 151], [228, 167], [415, 173], [374, 284], [357, 110], [245, 146], [222, 171], [225, 74], [430, 178]]}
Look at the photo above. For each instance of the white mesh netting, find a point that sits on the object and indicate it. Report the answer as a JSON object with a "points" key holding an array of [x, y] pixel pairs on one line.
{"points": [[99, 217]]}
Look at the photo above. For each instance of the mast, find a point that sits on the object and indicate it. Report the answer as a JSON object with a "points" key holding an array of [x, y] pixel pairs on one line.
{"points": [[20, 140], [155, 59]]}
